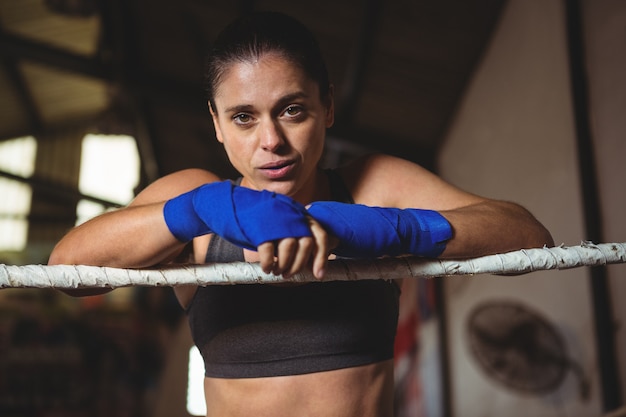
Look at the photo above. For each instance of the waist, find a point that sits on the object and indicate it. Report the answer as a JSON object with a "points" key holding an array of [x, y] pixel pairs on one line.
{"points": [[364, 391]]}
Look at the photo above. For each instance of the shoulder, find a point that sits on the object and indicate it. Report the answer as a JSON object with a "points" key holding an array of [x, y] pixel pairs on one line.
{"points": [[174, 184], [389, 181], [379, 179]]}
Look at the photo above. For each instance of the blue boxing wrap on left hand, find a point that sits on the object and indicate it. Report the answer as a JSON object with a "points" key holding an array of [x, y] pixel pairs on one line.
{"points": [[366, 232], [240, 215]]}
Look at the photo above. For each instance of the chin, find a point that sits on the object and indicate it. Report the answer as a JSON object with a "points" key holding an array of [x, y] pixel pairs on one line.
{"points": [[282, 187]]}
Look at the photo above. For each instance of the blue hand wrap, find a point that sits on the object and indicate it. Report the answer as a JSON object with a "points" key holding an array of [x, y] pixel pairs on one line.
{"points": [[181, 218], [240, 215], [366, 232]]}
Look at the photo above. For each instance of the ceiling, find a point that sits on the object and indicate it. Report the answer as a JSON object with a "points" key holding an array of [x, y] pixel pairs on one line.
{"points": [[135, 67]]}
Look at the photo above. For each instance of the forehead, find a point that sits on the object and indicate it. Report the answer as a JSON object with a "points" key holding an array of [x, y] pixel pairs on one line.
{"points": [[267, 78]]}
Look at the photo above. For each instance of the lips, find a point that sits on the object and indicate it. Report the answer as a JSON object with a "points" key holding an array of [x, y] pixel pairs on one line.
{"points": [[276, 164], [277, 169]]}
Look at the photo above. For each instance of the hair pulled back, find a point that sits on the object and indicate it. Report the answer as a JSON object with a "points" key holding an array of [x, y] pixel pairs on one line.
{"points": [[251, 36]]}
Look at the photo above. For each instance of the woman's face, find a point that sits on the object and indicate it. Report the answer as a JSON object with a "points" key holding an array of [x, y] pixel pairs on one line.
{"points": [[272, 122]]}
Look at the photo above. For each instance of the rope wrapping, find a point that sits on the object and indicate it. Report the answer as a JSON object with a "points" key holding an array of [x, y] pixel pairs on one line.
{"points": [[511, 263]]}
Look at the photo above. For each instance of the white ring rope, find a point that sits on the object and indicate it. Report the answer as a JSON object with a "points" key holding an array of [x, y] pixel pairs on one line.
{"points": [[511, 263]]}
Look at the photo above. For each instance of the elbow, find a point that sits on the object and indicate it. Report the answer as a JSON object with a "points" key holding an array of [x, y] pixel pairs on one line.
{"points": [[56, 258], [60, 255], [67, 253], [548, 238], [542, 237], [532, 232], [537, 235]]}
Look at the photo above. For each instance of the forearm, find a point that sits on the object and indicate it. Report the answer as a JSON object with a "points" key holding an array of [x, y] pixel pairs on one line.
{"points": [[493, 227], [132, 237]]}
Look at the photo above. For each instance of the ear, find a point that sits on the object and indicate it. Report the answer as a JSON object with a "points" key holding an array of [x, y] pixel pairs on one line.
{"points": [[216, 124], [330, 106]]}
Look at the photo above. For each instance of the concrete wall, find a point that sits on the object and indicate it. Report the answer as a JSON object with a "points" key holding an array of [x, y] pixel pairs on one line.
{"points": [[513, 138]]}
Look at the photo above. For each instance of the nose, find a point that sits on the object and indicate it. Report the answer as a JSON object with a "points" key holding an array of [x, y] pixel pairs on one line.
{"points": [[271, 136]]}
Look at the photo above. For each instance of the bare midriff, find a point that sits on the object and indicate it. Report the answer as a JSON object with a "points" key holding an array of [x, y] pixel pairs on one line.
{"points": [[364, 391]]}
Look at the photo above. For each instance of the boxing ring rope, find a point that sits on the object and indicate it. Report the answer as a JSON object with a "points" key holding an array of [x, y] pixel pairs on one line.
{"points": [[511, 263]]}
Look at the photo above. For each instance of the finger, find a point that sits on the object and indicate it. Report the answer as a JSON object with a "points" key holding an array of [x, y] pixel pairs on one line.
{"points": [[266, 256], [323, 245], [286, 252], [302, 255]]}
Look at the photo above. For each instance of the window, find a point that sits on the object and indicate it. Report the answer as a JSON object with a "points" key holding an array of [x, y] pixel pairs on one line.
{"points": [[17, 157], [109, 169]]}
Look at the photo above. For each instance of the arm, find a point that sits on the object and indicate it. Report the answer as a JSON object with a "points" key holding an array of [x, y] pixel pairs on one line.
{"points": [[480, 226], [145, 234], [493, 226], [131, 237]]}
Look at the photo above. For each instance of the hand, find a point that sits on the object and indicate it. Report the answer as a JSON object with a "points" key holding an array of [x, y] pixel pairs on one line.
{"points": [[291, 255], [368, 232], [240, 215]]}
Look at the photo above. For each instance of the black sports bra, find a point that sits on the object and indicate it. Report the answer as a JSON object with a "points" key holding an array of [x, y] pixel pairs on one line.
{"points": [[257, 330]]}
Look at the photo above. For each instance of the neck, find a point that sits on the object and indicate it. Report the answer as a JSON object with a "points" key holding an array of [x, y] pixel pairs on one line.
{"points": [[315, 189]]}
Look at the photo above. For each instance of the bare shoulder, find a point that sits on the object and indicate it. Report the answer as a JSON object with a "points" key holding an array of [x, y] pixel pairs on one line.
{"points": [[389, 181], [174, 184]]}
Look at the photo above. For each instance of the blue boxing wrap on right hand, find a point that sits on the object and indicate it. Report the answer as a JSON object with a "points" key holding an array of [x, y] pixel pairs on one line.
{"points": [[240, 215], [181, 218], [366, 232]]}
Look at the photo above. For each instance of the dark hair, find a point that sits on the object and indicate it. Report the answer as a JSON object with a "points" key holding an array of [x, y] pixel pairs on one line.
{"points": [[252, 35]]}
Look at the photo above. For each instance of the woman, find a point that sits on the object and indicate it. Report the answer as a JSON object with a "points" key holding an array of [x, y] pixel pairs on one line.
{"points": [[319, 349]]}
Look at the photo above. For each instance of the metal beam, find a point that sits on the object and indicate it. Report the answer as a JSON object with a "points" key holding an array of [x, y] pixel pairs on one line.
{"points": [[23, 93], [19, 85], [605, 323], [18, 48], [359, 63], [154, 88], [56, 191]]}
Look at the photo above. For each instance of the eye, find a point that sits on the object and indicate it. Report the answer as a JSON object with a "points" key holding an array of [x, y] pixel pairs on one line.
{"points": [[293, 111], [242, 118]]}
